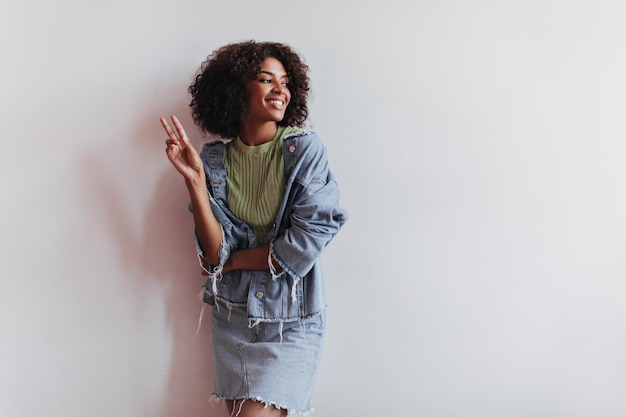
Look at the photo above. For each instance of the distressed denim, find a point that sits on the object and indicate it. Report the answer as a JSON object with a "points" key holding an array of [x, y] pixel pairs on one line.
{"points": [[273, 363], [308, 218]]}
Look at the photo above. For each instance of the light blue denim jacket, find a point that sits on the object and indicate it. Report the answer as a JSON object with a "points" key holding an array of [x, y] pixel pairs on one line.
{"points": [[308, 218]]}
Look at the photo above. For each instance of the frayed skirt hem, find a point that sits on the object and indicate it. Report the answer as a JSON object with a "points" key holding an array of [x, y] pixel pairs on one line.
{"points": [[216, 398]]}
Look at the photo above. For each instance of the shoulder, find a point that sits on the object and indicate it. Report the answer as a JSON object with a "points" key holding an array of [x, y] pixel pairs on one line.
{"points": [[304, 141], [305, 156], [299, 133], [214, 147]]}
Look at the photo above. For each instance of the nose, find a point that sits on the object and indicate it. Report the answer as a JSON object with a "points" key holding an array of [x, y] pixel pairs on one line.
{"points": [[278, 87]]}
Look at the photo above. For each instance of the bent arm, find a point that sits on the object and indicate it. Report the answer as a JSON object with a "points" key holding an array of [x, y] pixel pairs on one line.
{"points": [[253, 259], [188, 163], [315, 219], [208, 229]]}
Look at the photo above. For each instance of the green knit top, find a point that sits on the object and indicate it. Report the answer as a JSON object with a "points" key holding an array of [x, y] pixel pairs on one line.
{"points": [[255, 178]]}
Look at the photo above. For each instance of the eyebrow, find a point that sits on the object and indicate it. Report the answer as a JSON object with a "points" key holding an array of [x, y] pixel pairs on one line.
{"points": [[271, 73]]}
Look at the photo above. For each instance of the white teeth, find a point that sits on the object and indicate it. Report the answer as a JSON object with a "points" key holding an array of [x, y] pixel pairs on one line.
{"points": [[277, 103]]}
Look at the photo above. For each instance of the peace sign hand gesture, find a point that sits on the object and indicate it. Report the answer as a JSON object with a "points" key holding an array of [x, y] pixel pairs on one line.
{"points": [[181, 152]]}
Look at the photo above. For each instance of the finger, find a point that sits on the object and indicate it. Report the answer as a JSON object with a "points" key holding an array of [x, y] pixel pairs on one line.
{"points": [[168, 129], [180, 129]]}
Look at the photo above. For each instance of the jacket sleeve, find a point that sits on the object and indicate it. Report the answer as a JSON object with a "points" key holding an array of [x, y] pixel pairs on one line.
{"points": [[314, 218], [214, 271]]}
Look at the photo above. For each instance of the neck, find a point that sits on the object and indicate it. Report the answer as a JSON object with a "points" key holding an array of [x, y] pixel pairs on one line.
{"points": [[253, 134]]}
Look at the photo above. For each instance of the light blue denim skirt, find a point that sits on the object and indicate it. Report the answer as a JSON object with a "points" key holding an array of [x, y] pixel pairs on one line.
{"points": [[271, 362]]}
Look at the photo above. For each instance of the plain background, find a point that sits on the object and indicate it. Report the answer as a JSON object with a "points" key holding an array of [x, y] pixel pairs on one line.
{"points": [[480, 149]]}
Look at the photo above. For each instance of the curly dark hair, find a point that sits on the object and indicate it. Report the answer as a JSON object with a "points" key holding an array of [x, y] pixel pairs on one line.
{"points": [[218, 94]]}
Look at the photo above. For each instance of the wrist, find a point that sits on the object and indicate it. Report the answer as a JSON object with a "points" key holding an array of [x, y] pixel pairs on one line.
{"points": [[196, 182], [229, 265]]}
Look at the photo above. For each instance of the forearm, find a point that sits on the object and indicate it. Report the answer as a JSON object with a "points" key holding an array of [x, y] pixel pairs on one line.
{"points": [[208, 229], [254, 259]]}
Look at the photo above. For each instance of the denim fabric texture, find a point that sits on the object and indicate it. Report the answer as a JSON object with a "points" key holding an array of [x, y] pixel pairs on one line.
{"points": [[274, 363], [268, 326], [308, 218]]}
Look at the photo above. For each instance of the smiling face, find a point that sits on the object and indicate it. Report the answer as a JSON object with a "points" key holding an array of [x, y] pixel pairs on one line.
{"points": [[268, 94]]}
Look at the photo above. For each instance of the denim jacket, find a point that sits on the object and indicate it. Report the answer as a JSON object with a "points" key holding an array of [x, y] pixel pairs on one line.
{"points": [[308, 218]]}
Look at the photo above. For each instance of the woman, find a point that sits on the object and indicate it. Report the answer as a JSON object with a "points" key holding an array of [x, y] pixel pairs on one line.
{"points": [[265, 205]]}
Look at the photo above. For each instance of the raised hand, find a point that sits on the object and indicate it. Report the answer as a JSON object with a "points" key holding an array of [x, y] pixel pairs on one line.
{"points": [[186, 160], [181, 152]]}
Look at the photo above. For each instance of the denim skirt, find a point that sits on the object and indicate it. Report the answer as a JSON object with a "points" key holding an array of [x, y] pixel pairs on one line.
{"points": [[271, 362]]}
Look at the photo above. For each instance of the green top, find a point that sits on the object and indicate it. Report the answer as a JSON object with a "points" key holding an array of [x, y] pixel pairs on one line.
{"points": [[255, 177]]}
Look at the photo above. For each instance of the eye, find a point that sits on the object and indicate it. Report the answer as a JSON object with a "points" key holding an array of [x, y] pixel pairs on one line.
{"points": [[265, 80]]}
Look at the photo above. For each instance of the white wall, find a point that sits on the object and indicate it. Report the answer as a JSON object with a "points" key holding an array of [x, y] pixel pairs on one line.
{"points": [[480, 150]]}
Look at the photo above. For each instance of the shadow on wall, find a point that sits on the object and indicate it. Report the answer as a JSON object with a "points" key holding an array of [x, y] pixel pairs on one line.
{"points": [[160, 254], [168, 254]]}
